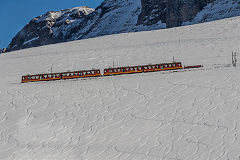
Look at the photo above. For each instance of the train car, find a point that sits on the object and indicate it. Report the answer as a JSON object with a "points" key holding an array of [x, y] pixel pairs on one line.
{"points": [[41, 77], [81, 74], [144, 68], [162, 67], [122, 70], [59, 76], [194, 66]]}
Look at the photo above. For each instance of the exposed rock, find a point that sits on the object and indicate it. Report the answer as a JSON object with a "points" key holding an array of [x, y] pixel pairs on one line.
{"points": [[2, 50], [179, 11], [152, 12]]}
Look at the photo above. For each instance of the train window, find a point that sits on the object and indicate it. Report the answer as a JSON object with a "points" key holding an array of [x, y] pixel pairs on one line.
{"points": [[131, 69], [123, 69], [119, 70], [162, 66], [139, 68], [174, 65], [170, 65], [153, 67], [149, 67], [114, 70], [145, 67], [166, 65]]}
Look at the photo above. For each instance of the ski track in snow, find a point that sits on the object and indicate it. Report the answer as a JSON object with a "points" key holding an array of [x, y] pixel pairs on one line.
{"points": [[153, 116]]}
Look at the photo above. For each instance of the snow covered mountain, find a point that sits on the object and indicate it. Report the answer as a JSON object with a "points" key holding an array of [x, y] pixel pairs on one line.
{"points": [[119, 16]]}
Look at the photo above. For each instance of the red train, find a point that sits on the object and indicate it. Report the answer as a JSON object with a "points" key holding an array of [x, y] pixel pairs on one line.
{"points": [[63, 75], [107, 72], [144, 68]]}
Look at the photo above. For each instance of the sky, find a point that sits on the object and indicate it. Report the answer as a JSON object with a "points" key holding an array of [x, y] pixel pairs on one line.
{"points": [[15, 14]]}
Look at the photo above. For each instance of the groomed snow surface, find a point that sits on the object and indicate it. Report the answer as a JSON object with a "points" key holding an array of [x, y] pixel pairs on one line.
{"points": [[191, 115]]}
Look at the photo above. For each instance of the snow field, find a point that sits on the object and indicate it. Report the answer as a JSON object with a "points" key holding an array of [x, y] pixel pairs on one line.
{"points": [[153, 116]]}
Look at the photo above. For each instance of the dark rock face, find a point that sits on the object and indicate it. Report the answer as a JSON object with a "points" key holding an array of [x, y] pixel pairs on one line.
{"points": [[171, 12], [179, 11], [153, 11], [118, 16]]}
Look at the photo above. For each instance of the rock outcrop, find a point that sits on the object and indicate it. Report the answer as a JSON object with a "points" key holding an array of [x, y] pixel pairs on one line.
{"points": [[3, 50]]}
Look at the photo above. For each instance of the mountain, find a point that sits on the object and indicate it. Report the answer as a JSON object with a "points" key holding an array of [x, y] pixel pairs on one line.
{"points": [[119, 16]]}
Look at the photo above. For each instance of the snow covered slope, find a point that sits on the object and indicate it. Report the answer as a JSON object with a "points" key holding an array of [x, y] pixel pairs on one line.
{"points": [[152, 116]]}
